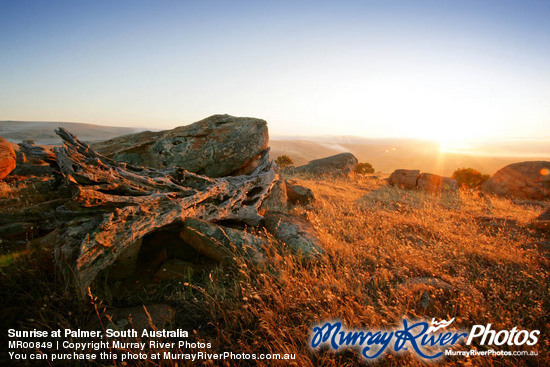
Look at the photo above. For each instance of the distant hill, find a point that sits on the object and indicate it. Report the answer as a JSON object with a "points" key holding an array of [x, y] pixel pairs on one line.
{"points": [[42, 132], [385, 155]]}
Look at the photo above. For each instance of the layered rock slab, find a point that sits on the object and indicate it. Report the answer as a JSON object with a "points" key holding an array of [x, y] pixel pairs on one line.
{"points": [[217, 146]]}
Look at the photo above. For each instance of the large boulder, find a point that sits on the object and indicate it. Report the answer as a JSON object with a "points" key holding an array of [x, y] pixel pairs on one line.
{"points": [[222, 243], [217, 146], [436, 184], [339, 164], [7, 158], [296, 232], [529, 180], [404, 178]]}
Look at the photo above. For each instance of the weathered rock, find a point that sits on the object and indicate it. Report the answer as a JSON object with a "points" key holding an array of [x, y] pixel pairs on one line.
{"points": [[436, 184], [221, 243], [7, 158], [404, 178], [528, 180], [217, 146], [177, 269], [114, 204], [298, 194], [339, 164], [277, 199], [34, 160], [296, 232]]}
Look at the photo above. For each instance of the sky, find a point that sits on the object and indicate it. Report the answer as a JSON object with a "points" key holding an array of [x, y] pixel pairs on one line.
{"points": [[441, 70]]}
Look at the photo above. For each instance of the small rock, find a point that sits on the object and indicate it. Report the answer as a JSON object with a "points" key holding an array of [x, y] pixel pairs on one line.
{"points": [[296, 232], [222, 243], [404, 178], [298, 194], [436, 184], [7, 158]]}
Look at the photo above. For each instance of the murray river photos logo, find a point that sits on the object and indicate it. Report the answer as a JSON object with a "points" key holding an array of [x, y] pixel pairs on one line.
{"points": [[427, 340]]}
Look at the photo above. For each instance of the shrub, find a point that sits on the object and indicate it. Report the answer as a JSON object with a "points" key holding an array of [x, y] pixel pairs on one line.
{"points": [[284, 161], [364, 168], [469, 177]]}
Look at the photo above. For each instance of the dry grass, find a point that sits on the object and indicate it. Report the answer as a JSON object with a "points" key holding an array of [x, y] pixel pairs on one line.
{"points": [[377, 239]]}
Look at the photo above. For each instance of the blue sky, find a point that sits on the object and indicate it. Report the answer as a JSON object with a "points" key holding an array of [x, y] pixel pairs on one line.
{"points": [[425, 69]]}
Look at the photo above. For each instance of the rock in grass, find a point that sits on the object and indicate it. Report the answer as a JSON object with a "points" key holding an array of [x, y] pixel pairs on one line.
{"points": [[404, 178], [527, 180], [436, 184], [296, 232], [7, 158], [340, 164], [217, 146], [222, 243], [298, 194]]}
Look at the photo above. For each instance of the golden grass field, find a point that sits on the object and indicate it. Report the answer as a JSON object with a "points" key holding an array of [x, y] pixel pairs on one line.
{"points": [[480, 254]]}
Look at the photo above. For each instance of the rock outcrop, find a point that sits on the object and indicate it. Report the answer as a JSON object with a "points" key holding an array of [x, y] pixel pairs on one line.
{"points": [[277, 199], [340, 164], [296, 232], [217, 146], [7, 158], [221, 243], [404, 178], [115, 204], [528, 180], [436, 184]]}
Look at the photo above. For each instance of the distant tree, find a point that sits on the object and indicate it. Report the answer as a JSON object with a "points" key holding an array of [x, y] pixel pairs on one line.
{"points": [[364, 168], [469, 177], [284, 161]]}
